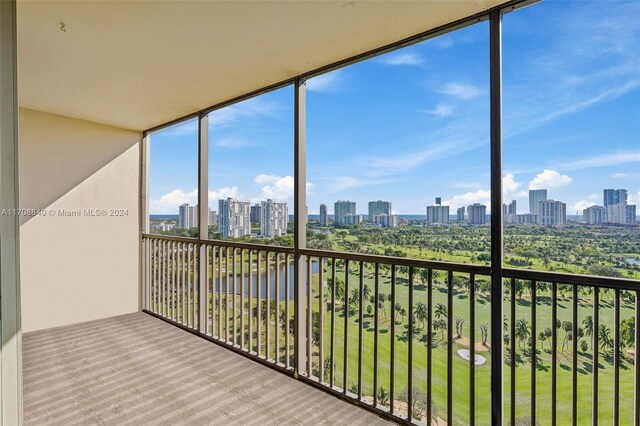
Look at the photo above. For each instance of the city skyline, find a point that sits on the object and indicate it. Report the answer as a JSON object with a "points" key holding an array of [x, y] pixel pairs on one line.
{"points": [[413, 124]]}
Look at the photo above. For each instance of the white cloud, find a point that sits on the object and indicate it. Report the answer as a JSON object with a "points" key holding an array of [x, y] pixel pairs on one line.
{"points": [[278, 188], [549, 179], [251, 108], [325, 82], [233, 142], [222, 194], [402, 59], [169, 203], [480, 196], [582, 204], [634, 199], [509, 185], [461, 91], [603, 160], [618, 175], [341, 183], [441, 110]]}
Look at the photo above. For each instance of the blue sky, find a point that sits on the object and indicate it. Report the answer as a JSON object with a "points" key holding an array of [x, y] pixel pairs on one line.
{"points": [[414, 124]]}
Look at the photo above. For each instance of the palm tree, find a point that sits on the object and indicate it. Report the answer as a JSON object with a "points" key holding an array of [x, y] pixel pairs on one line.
{"points": [[441, 325], [542, 337], [522, 330], [484, 331], [441, 310], [588, 327], [421, 312]]}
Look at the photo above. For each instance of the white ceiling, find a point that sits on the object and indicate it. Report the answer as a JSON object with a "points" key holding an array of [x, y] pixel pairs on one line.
{"points": [[137, 64]]}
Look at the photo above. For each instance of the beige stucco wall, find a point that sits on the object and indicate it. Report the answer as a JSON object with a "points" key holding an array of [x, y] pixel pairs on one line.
{"points": [[77, 268]]}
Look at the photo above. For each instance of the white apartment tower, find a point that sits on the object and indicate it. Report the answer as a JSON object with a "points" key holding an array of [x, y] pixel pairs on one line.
{"points": [[274, 218], [377, 208], [233, 218], [187, 216], [594, 215], [386, 220], [477, 214], [342, 209], [552, 213], [535, 196], [437, 215]]}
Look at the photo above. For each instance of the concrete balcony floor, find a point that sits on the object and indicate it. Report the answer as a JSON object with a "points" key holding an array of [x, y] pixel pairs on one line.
{"points": [[136, 369]]}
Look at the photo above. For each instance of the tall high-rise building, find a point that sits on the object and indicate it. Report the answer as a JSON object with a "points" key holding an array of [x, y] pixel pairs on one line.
{"points": [[535, 196], [511, 208], [234, 218], [460, 214], [254, 215], [477, 214], [621, 213], [386, 220], [341, 209], [614, 196], [552, 213], [377, 208], [505, 210], [594, 215], [274, 218], [187, 216], [437, 215], [324, 217]]}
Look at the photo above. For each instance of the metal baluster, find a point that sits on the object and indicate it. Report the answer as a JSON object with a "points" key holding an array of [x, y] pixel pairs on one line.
{"points": [[376, 296], [287, 342], [250, 300], [574, 360], [259, 307], [410, 354], [309, 319], [233, 300], [472, 347], [345, 359], [360, 328], [268, 307], [429, 342], [554, 351], [277, 297], [616, 357], [534, 360], [512, 352], [596, 353], [333, 323], [242, 339], [393, 341], [450, 348], [321, 308]]}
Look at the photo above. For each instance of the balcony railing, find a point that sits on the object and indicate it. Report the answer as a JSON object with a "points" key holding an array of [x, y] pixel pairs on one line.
{"points": [[410, 339]]}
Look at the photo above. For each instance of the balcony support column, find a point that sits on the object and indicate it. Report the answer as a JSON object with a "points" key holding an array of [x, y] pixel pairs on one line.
{"points": [[145, 147], [10, 331], [495, 58], [300, 225], [203, 218]]}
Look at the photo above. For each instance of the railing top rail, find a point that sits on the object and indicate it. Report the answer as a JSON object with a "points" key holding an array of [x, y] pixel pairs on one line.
{"points": [[400, 261], [572, 279], [223, 243], [170, 238], [248, 246]]}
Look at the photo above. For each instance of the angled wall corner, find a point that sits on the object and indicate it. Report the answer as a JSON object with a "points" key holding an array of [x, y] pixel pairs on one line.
{"points": [[77, 263]]}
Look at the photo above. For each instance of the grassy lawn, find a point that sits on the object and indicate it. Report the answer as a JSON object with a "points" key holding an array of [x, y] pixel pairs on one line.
{"points": [[460, 372]]}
